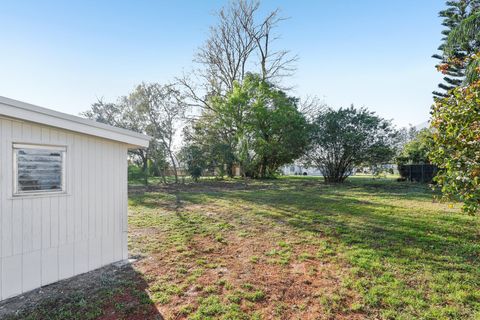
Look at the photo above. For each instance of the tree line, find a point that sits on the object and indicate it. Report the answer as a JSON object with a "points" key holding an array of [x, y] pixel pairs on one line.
{"points": [[236, 111]]}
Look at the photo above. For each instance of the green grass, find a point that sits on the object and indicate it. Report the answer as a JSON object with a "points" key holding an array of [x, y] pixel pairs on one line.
{"points": [[291, 248], [402, 255]]}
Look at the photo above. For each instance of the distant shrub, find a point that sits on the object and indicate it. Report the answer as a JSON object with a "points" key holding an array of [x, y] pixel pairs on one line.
{"points": [[416, 151], [194, 159], [135, 172]]}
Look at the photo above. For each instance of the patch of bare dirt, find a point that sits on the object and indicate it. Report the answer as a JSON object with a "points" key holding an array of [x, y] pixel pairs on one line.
{"points": [[292, 291]]}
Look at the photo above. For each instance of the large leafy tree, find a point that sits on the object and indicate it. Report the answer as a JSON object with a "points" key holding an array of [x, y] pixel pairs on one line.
{"points": [[453, 53], [456, 123], [215, 140], [155, 109], [349, 137], [280, 132], [255, 125]]}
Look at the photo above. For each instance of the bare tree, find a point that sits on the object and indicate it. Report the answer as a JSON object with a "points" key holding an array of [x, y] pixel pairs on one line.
{"points": [[196, 91], [274, 64], [226, 52], [311, 106], [241, 42]]}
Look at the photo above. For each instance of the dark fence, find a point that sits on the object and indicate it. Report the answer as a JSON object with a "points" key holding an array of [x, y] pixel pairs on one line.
{"points": [[418, 172]]}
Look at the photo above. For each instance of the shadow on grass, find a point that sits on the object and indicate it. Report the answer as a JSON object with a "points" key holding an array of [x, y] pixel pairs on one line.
{"points": [[112, 292], [427, 238], [415, 238], [409, 257]]}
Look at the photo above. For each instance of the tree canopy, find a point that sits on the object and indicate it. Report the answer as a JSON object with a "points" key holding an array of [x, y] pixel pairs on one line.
{"points": [[194, 159], [456, 119], [153, 109], [456, 137], [417, 150], [453, 50], [255, 125], [348, 137]]}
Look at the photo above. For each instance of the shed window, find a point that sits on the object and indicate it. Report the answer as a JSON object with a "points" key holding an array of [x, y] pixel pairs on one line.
{"points": [[38, 169]]}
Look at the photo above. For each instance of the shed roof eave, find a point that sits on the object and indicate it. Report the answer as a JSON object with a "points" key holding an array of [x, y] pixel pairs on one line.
{"points": [[25, 111]]}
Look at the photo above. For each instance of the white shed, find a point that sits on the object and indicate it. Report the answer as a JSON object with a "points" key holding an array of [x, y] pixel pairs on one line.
{"points": [[63, 195]]}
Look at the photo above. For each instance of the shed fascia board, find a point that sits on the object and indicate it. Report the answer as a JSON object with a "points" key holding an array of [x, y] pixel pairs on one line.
{"points": [[25, 111]]}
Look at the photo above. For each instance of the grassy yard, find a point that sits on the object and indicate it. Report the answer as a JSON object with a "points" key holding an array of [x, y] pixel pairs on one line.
{"points": [[296, 248]]}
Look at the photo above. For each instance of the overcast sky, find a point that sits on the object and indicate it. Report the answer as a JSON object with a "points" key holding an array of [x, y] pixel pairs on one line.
{"points": [[64, 55]]}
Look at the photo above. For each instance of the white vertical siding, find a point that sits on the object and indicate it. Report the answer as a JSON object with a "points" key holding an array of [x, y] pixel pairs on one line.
{"points": [[51, 237]]}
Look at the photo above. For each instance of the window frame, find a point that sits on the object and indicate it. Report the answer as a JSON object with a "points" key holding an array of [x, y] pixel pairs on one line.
{"points": [[19, 193]]}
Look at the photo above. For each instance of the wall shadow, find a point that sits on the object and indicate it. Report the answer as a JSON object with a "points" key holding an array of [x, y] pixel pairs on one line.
{"points": [[116, 291]]}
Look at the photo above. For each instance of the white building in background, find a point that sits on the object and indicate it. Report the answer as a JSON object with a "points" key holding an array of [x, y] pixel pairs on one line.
{"points": [[296, 169], [299, 170], [63, 195]]}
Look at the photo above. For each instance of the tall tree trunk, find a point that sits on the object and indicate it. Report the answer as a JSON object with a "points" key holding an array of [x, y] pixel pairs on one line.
{"points": [[263, 171], [145, 170], [230, 170], [162, 173], [244, 174], [174, 165]]}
